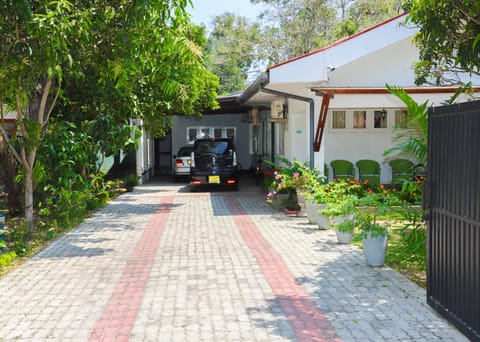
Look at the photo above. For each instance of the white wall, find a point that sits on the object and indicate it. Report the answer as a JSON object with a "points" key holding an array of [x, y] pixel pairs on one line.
{"points": [[392, 65], [145, 161]]}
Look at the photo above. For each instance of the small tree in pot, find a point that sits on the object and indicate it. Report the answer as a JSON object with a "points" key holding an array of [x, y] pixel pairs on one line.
{"points": [[374, 233], [131, 181]]}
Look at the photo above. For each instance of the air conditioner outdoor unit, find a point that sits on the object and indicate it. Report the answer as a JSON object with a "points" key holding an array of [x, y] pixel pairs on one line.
{"points": [[276, 109]]}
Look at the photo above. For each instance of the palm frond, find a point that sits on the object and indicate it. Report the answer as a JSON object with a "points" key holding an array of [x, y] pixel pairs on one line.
{"points": [[413, 141]]}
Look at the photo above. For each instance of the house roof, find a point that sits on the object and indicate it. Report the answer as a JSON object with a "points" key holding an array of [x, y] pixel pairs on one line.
{"points": [[316, 66], [339, 42]]}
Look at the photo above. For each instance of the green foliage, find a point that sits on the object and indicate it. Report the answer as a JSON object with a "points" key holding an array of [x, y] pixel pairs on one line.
{"points": [[231, 51], [17, 237], [343, 207], [318, 193], [2, 242], [293, 28], [131, 180], [347, 225], [448, 38], [293, 175], [412, 237], [7, 258], [107, 63], [411, 142], [366, 13]]}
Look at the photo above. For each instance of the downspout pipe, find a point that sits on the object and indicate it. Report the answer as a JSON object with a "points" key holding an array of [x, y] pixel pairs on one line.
{"points": [[311, 103]]}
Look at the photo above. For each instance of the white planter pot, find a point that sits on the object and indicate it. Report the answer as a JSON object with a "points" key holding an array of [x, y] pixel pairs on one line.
{"points": [[301, 196], [344, 238], [375, 250], [312, 209], [323, 222]]}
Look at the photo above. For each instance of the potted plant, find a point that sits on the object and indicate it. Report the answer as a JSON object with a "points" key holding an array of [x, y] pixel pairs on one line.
{"points": [[344, 230], [131, 181], [340, 211], [283, 187], [295, 178], [291, 206], [315, 201], [374, 233]]}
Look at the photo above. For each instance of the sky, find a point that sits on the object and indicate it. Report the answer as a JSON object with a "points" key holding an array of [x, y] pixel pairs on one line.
{"points": [[205, 10]]}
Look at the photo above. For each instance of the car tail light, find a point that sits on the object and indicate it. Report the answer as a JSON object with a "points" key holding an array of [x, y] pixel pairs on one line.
{"points": [[192, 160], [179, 162], [196, 182], [234, 158], [231, 181]]}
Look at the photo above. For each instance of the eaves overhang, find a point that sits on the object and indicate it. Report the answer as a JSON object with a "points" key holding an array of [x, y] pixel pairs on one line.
{"points": [[380, 90]]}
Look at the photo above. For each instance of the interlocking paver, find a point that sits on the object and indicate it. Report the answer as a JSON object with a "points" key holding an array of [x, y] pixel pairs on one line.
{"points": [[163, 264]]}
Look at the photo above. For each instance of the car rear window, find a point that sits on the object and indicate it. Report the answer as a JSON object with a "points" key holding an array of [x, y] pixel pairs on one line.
{"points": [[216, 147], [185, 152]]}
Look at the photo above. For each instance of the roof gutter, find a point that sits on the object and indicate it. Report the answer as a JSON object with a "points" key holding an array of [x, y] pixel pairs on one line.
{"points": [[264, 81]]}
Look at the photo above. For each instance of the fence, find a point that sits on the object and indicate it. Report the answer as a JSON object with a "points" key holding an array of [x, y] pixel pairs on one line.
{"points": [[453, 202]]}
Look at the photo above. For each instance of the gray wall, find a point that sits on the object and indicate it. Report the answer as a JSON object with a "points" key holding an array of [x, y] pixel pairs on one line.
{"points": [[242, 140]]}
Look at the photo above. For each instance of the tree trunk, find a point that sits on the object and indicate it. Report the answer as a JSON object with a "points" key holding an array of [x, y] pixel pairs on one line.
{"points": [[28, 184]]}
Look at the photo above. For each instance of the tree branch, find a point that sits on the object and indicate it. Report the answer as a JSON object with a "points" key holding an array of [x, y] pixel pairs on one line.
{"points": [[44, 125], [465, 13], [9, 144], [43, 101]]}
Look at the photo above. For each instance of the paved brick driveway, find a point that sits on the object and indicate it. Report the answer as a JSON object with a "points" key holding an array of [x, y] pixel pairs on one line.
{"points": [[164, 264]]}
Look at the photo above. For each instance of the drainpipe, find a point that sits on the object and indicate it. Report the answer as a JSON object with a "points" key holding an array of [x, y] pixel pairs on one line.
{"points": [[264, 81]]}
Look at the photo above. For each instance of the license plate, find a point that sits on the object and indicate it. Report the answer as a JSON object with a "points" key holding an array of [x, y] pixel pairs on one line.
{"points": [[214, 179]]}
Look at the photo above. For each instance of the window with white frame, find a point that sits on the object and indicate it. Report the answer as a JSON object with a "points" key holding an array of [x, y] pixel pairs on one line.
{"points": [[192, 133], [338, 117], [230, 132], [359, 119], [198, 132], [380, 118], [217, 132]]}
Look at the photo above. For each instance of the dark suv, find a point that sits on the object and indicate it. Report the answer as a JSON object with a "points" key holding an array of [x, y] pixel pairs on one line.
{"points": [[214, 162]]}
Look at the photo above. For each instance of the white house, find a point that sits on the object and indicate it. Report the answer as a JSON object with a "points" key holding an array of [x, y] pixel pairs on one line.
{"points": [[329, 104], [333, 104]]}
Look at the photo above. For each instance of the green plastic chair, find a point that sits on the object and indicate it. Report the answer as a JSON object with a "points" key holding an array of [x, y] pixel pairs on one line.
{"points": [[368, 170], [402, 169], [342, 169]]}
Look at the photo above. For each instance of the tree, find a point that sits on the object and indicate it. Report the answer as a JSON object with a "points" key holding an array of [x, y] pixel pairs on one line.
{"points": [[231, 51], [293, 28], [142, 54], [366, 13], [448, 39], [34, 48]]}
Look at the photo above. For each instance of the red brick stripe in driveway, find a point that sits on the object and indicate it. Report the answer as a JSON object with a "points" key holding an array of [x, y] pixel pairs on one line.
{"points": [[305, 318], [120, 313]]}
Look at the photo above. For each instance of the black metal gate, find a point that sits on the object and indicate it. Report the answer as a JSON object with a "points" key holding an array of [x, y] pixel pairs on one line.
{"points": [[453, 201]]}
